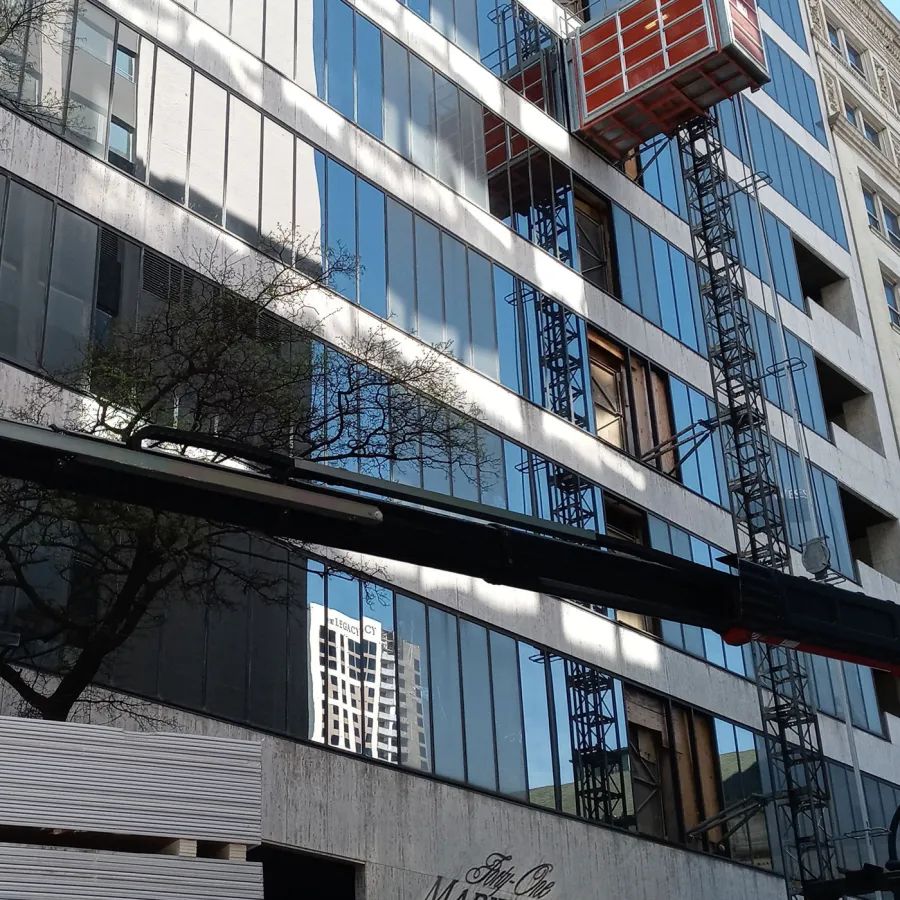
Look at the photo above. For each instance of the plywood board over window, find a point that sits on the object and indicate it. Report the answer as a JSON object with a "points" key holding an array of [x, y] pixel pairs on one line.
{"points": [[632, 408]]}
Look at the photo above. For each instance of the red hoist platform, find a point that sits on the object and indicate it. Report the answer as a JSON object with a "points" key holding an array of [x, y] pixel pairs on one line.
{"points": [[654, 65]]}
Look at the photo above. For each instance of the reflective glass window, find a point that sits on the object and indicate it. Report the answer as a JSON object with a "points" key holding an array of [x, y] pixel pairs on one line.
{"points": [[339, 57], [71, 291], [456, 298], [484, 331], [277, 213], [481, 757], [423, 148], [87, 112], [341, 228], [372, 260], [449, 134], [396, 96], [369, 90], [563, 735], [429, 297], [24, 268], [508, 716], [379, 662], [533, 672], [446, 706], [207, 166], [414, 696]]}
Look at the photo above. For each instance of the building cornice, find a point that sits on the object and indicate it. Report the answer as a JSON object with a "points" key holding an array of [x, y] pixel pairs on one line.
{"points": [[871, 22]]}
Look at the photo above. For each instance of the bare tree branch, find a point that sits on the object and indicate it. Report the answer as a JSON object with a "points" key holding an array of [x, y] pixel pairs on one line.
{"points": [[208, 353]]}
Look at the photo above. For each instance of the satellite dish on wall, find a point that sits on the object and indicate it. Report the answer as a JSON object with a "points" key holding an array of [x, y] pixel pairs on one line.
{"points": [[816, 556]]}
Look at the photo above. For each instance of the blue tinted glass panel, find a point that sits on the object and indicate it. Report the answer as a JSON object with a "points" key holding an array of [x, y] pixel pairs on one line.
{"points": [[533, 671], [485, 355], [491, 471], [414, 703], [339, 37], [563, 735], [318, 7], [481, 756], [369, 91], [518, 482], [786, 13], [649, 298], [627, 265], [341, 215], [446, 707], [508, 716], [507, 312], [429, 296], [401, 266], [456, 298], [396, 96], [664, 286], [373, 273], [421, 8]]}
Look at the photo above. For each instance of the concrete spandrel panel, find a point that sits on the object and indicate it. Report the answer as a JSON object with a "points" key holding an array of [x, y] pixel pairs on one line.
{"points": [[58, 874], [93, 778], [420, 839]]}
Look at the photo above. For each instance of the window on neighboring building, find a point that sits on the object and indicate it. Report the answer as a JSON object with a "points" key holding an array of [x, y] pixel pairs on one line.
{"points": [[863, 122], [873, 134], [892, 296], [872, 209], [855, 58], [883, 217], [848, 48], [892, 225]]}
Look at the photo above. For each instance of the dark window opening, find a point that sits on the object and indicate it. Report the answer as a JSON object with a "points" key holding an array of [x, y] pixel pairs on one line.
{"points": [[632, 409], [887, 691], [823, 285], [848, 406], [593, 231], [672, 765], [871, 533], [287, 874], [628, 523]]}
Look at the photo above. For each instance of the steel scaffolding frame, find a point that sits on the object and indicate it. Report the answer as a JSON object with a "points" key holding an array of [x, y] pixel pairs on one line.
{"points": [[790, 724], [599, 776]]}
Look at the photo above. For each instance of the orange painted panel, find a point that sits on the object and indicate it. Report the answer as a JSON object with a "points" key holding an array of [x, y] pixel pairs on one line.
{"points": [[636, 12], [644, 51], [598, 34], [688, 47], [599, 55], [633, 36], [646, 71], [677, 8], [602, 96], [602, 75], [681, 29]]}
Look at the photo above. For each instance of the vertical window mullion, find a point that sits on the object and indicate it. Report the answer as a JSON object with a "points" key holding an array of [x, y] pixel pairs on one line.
{"points": [[53, 220], [462, 701], [68, 82], [112, 88], [554, 733], [490, 689]]}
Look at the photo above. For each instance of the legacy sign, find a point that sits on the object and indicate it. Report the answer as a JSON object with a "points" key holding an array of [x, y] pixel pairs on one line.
{"points": [[497, 878]]}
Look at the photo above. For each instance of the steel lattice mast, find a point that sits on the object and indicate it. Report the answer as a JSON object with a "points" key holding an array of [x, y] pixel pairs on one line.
{"points": [[793, 742]]}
